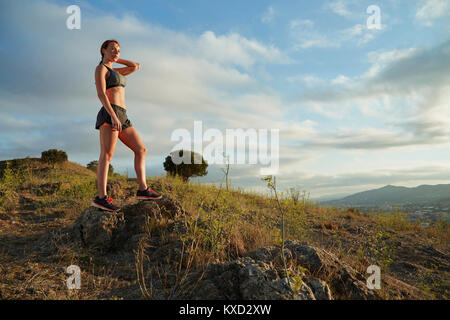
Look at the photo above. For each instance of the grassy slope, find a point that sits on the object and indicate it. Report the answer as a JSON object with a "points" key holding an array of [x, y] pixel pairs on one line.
{"points": [[37, 198]]}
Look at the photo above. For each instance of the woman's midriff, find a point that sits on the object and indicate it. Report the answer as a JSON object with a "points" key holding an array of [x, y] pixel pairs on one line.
{"points": [[116, 95]]}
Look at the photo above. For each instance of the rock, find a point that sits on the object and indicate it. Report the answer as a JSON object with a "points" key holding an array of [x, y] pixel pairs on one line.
{"points": [[164, 207], [271, 254], [319, 288], [102, 229], [115, 189], [258, 281], [244, 278], [343, 279], [265, 254], [99, 228]]}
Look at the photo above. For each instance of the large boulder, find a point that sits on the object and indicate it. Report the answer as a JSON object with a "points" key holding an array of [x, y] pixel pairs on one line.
{"points": [[99, 229], [166, 207]]}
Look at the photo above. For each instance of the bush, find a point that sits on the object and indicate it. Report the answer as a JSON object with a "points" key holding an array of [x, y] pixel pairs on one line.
{"points": [[188, 167], [53, 156], [9, 181]]}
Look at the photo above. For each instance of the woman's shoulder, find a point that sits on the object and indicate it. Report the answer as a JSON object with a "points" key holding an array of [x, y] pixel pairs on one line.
{"points": [[101, 68]]}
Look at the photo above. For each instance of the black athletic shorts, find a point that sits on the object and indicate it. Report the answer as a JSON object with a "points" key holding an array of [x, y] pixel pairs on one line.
{"points": [[103, 116]]}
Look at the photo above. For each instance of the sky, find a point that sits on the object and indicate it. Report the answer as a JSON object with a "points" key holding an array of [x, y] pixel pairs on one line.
{"points": [[357, 108]]}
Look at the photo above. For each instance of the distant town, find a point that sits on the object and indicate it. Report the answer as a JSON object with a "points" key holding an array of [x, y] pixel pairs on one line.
{"points": [[416, 212], [425, 203]]}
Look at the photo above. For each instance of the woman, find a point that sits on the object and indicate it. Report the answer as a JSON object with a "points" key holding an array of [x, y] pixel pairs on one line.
{"points": [[113, 123]]}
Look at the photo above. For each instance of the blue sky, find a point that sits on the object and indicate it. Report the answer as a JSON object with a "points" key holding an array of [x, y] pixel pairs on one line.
{"points": [[357, 108]]}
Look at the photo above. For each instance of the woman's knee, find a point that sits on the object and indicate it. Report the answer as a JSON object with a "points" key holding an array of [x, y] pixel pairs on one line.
{"points": [[106, 156], [141, 150]]}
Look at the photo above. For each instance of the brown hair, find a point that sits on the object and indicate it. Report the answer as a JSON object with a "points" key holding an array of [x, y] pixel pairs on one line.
{"points": [[105, 45]]}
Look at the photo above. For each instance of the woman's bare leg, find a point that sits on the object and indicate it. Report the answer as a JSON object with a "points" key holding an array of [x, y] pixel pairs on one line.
{"points": [[108, 140], [131, 139]]}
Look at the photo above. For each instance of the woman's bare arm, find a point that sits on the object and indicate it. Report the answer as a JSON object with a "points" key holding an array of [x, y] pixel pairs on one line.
{"points": [[130, 67]]}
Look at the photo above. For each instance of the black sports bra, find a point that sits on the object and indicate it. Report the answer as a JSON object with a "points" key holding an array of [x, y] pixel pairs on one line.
{"points": [[115, 79]]}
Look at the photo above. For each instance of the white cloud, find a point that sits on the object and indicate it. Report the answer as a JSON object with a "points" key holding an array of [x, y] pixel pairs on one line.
{"points": [[380, 60], [235, 49], [338, 7], [404, 94], [307, 80], [305, 35], [432, 9], [268, 15], [356, 181], [341, 79]]}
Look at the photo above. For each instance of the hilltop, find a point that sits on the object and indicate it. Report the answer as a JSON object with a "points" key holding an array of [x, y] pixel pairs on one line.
{"points": [[201, 241]]}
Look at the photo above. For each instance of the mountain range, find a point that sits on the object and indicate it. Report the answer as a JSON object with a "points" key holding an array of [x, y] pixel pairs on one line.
{"points": [[396, 195]]}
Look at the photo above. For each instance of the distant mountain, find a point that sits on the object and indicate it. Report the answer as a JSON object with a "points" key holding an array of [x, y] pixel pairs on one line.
{"points": [[330, 197], [393, 195]]}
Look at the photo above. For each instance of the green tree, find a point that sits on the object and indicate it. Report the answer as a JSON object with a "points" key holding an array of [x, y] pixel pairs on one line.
{"points": [[93, 166], [187, 168], [53, 156]]}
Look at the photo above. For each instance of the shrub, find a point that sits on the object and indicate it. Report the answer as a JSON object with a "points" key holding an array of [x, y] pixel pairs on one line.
{"points": [[53, 156], [9, 181], [188, 168]]}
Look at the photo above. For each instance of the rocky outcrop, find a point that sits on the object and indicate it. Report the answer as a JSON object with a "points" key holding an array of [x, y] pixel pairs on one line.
{"points": [[261, 276], [343, 279], [98, 229], [249, 279], [105, 230]]}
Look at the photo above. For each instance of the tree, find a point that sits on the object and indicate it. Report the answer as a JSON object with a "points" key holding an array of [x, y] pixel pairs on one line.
{"points": [[93, 166], [53, 156], [186, 169]]}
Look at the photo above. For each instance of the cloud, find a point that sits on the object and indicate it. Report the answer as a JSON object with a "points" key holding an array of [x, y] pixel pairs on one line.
{"points": [[356, 181], [338, 7], [305, 35], [77, 52], [430, 10], [234, 48], [358, 32], [411, 85], [268, 15]]}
